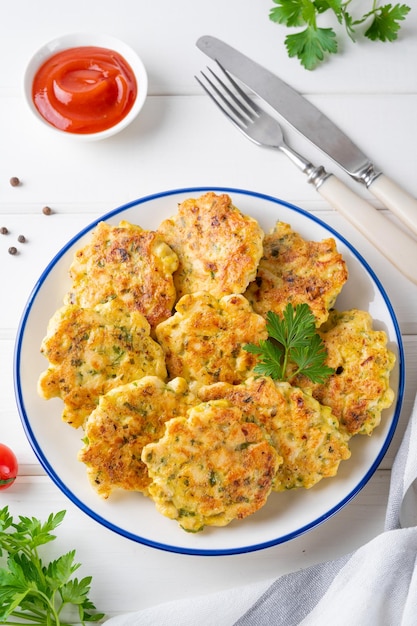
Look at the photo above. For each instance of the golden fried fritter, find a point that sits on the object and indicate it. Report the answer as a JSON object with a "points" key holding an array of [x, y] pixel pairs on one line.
{"points": [[211, 467], [126, 419], [304, 433], [294, 270], [130, 263], [91, 351], [218, 247], [203, 340], [359, 389]]}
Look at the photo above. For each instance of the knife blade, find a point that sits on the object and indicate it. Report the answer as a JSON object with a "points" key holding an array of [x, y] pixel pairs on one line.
{"points": [[313, 125]]}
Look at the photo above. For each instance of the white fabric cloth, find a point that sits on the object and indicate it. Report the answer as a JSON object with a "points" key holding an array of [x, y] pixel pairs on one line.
{"points": [[217, 609], [376, 585]]}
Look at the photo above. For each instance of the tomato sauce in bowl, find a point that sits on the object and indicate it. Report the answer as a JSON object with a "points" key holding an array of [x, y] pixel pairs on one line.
{"points": [[85, 86], [85, 89]]}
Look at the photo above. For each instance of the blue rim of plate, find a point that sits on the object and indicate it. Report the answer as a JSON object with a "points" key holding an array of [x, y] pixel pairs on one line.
{"points": [[181, 549]]}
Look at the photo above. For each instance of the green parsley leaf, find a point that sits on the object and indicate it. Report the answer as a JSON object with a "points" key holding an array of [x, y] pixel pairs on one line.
{"points": [[313, 43], [311, 360], [310, 45], [385, 25], [30, 591], [60, 571], [293, 347], [271, 361], [336, 5], [289, 13]]}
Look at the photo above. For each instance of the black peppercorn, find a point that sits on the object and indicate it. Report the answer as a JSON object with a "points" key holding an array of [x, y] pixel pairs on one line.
{"points": [[14, 181], [12, 250], [21, 239], [3, 230]]}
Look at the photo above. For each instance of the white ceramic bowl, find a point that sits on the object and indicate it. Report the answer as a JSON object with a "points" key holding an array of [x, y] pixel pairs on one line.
{"points": [[88, 39]]}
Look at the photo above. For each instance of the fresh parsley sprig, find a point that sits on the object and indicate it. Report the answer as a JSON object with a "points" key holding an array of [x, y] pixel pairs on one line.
{"points": [[293, 347], [30, 591], [311, 44]]}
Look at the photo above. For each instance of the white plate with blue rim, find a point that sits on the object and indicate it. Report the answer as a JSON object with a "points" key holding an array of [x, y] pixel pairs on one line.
{"points": [[286, 515]]}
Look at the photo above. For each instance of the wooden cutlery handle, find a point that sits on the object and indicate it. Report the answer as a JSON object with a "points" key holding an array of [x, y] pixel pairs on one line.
{"points": [[396, 199], [391, 241]]}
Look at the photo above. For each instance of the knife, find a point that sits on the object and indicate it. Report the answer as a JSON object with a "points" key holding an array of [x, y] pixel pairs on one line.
{"points": [[314, 125]]}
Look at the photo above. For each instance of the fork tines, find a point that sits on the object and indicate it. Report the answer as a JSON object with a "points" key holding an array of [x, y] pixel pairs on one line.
{"points": [[229, 97]]}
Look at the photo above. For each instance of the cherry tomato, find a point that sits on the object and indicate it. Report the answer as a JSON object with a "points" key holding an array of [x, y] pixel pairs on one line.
{"points": [[8, 467]]}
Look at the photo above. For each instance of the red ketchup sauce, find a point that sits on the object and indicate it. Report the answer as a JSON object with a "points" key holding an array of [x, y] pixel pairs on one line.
{"points": [[84, 90]]}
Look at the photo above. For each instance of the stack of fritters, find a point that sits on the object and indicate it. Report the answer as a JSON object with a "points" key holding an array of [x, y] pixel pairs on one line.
{"points": [[210, 444]]}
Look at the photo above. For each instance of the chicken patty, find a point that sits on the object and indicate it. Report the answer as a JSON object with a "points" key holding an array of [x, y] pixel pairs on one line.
{"points": [[218, 247], [203, 342], [91, 351], [129, 263], [359, 389], [126, 419], [298, 271], [210, 467], [305, 434]]}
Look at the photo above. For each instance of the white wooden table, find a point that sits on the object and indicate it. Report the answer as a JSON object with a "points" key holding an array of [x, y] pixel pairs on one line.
{"points": [[181, 140]]}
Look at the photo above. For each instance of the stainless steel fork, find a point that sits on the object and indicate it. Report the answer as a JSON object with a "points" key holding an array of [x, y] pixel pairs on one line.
{"points": [[254, 122], [264, 130]]}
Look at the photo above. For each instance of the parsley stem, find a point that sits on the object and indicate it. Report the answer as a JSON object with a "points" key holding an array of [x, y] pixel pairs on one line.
{"points": [[38, 616], [35, 617], [285, 363], [50, 605], [27, 616]]}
